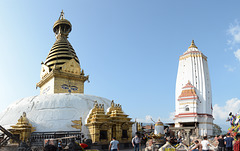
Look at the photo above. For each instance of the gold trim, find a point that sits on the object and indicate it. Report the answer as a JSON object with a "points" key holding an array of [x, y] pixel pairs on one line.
{"points": [[187, 103], [56, 73], [191, 54]]}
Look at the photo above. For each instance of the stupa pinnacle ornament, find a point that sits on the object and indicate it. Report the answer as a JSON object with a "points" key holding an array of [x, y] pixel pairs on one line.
{"points": [[193, 45], [61, 66]]}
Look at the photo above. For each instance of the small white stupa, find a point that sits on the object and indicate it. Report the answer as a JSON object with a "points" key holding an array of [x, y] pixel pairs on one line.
{"points": [[159, 128]]}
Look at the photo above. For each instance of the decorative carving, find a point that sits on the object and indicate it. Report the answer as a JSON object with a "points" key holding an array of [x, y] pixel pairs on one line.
{"points": [[44, 71], [71, 66], [167, 146], [125, 126], [182, 147], [104, 127], [115, 109], [77, 124]]}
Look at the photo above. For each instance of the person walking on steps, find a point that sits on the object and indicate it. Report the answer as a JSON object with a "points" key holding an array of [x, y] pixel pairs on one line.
{"points": [[136, 142]]}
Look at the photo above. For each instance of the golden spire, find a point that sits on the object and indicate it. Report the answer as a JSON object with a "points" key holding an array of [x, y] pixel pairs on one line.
{"points": [[62, 51], [61, 17], [193, 45]]}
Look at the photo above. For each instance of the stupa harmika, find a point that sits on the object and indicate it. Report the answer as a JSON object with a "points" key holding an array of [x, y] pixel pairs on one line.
{"points": [[193, 99], [62, 107]]}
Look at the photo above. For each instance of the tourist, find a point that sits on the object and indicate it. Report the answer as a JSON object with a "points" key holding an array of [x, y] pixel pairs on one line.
{"points": [[236, 146], [135, 142], [179, 140], [205, 144], [197, 147], [144, 140], [114, 145], [221, 146], [171, 141], [50, 147], [60, 145], [228, 142]]}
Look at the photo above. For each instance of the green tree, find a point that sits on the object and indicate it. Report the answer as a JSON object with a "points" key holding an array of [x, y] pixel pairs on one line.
{"points": [[217, 130]]}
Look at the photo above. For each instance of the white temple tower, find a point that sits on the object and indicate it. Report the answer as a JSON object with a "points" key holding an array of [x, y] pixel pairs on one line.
{"points": [[193, 98]]}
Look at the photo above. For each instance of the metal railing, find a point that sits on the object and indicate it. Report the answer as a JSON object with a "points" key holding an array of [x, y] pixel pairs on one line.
{"points": [[7, 137]]}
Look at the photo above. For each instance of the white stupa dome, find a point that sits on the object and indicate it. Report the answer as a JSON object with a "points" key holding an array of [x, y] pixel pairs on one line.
{"points": [[52, 112]]}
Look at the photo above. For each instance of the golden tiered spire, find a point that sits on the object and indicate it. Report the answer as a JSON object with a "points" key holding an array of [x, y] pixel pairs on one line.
{"points": [[61, 72], [193, 45], [62, 51]]}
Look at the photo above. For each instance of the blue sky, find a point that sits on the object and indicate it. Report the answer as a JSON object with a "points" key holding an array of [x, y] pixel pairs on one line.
{"points": [[130, 49]]}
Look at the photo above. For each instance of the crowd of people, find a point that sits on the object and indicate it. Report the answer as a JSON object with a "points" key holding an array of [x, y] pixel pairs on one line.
{"points": [[224, 143], [136, 142]]}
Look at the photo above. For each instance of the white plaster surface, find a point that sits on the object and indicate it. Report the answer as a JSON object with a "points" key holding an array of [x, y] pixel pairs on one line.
{"points": [[52, 112], [195, 70]]}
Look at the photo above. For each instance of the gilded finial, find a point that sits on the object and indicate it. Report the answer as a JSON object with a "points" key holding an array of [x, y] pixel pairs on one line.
{"points": [[82, 73], [112, 103], [61, 16], [192, 45], [95, 103]]}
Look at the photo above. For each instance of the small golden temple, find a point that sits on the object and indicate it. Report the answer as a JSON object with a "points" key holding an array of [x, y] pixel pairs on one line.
{"points": [[23, 128], [103, 126]]}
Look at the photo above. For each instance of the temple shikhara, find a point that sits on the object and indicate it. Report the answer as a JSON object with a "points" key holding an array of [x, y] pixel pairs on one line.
{"points": [[62, 110], [193, 99]]}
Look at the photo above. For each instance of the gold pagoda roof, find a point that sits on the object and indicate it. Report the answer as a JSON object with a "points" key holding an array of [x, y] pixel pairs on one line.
{"points": [[61, 51]]}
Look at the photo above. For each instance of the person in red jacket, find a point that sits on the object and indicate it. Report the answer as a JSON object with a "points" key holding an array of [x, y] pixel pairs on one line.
{"points": [[236, 146]]}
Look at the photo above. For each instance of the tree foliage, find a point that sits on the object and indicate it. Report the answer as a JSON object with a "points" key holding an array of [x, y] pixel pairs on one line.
{"points": [[217, 130]]}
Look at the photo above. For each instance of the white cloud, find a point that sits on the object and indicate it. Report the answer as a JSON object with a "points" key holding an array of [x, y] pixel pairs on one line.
{"points": [[149, 118], [234, 31], [229, 68], [172, 115], [234, 41], [237, 54], [221, 112]]}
